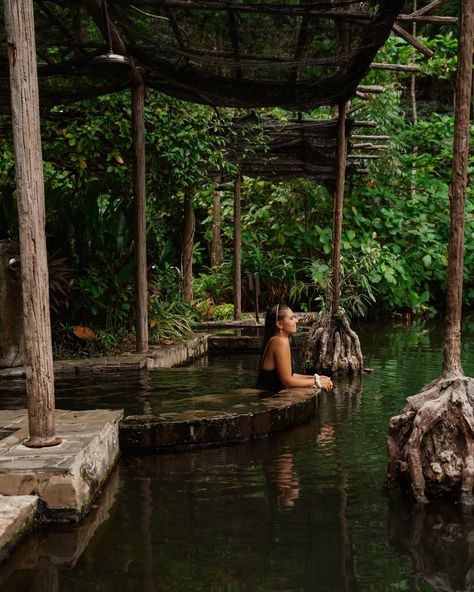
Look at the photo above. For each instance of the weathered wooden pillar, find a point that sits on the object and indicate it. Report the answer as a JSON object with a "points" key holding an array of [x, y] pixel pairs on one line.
{"points": [[139, 194], [237, 251], [338, 207], [188, 243], [19, 23]]}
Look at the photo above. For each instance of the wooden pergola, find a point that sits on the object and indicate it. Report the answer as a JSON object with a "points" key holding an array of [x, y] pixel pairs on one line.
{"points": [[296, 56]]}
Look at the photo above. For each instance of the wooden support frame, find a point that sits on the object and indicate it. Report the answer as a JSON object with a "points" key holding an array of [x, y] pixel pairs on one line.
{"points": [[395, 67], [409, 38]]}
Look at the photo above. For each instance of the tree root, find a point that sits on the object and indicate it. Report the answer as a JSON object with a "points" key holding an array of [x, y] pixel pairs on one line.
{"points": [[431, 443], [332, 347]]}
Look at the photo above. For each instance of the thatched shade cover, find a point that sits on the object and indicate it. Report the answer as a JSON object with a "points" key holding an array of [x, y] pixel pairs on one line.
{"points": [[294, 55], [293, 149]]}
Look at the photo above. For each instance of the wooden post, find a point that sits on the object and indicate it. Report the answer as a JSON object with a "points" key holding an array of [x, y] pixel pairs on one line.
{"points": [[139, 195], [19, 24], [237, 252], [217, 250], [337, 207], [188, 242], [457, 193]]}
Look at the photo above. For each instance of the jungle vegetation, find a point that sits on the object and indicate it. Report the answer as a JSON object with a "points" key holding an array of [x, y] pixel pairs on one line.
{"points": [[396, 217]]}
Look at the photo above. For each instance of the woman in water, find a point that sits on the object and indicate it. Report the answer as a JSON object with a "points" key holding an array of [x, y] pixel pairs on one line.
{"points": [[276, 368]]}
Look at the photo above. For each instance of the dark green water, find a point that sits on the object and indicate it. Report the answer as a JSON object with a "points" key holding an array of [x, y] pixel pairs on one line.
{"points": [[300, 511]]}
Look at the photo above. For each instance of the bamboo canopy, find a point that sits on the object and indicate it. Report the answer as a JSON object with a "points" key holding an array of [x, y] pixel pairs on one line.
{"points": [[293, 149], [218, 53]]}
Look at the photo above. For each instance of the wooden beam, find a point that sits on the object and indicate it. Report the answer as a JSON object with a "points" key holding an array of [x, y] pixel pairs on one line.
{"points": [[368, 137], [364, 156], [428, 7], [359, 123], [409, 38], [371, 88], [361, 95], [437, 20], [281, 9], [396, 67], [369, 146], [20, 34], [356, 108]]}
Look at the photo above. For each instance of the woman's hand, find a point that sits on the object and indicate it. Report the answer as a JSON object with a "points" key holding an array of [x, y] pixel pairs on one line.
{"points": [[326, 383]]}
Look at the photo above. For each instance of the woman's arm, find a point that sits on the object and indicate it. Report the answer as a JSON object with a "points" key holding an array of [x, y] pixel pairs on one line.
{"points": [[326, 382], [282, 360]]}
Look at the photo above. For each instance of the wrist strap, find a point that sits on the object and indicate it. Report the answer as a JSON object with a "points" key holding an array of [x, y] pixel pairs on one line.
{"points": [[317, 381]]}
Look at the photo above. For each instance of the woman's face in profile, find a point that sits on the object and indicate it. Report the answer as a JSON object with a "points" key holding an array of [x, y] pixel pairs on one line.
{"points": [[289, 322]]}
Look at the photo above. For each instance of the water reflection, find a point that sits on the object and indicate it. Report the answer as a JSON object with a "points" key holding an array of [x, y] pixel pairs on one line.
{"points": [[37, 563], [302, 511], [439, 538]]}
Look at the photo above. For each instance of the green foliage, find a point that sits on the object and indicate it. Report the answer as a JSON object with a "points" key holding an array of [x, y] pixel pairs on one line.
{"points": [[168, 320], [104, 296], [214, 284], [206, 310]]}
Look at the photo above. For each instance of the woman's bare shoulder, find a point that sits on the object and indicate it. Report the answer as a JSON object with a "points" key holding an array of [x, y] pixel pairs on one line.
{"points": [[278, 344]]}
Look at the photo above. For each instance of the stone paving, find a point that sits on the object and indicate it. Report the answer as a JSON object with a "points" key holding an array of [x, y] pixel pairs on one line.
{"points": [[63, 479]]}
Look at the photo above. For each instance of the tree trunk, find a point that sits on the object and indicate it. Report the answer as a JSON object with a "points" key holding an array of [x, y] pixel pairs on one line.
{"points": [[237, 252], [139, 195], [431, 443], [331, 346], [457, 194], [188, 243], [19, 22], [217, 250]]}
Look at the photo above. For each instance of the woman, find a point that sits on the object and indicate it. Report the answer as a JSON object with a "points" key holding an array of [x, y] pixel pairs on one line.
{"points": [[276, 367]]}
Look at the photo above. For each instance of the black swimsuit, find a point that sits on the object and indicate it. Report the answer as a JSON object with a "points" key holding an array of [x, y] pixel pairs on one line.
{"points": [[268, 380]]}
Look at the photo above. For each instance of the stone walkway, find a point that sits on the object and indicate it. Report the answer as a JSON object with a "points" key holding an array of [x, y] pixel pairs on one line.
{"points": [[63, 479]]}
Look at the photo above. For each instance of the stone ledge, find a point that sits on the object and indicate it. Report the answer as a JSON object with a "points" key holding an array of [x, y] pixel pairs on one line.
{"points": [[158, 356], [241, 422], [17, 517], [66, 477]]}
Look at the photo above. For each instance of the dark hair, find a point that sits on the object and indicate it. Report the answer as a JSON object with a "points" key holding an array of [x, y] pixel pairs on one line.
{"points": [[274, 313]]}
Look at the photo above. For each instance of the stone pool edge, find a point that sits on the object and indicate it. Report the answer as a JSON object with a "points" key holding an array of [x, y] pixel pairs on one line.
{"points": [[242, 422], [158, 356]]}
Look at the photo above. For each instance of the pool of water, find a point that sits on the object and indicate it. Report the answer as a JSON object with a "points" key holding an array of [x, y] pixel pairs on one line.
{"points": [[300, 511]]}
